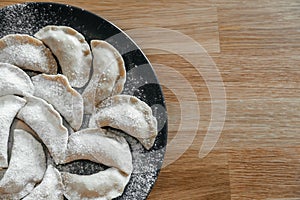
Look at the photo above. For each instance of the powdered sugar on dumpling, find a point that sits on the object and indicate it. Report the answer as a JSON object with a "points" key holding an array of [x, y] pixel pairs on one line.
{"points": [[55, 89], [71, 50], [101, 147], [27, 52], [26, 168], [51, 187], [47, 123], [9, 106], [109, 75], [128, 114], [13, 80]]}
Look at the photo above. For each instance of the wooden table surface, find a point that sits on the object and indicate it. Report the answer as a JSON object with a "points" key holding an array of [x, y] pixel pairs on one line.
{"points": [[255, 46]]}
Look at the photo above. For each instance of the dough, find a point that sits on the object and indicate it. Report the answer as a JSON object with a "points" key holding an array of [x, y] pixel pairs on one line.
{"points": [[13, 80], [26, 168], [104, 185], [55, 89], [128, 114], [51, 187], [47, 123], [9, 106], [71, 50], [27, 52], [109, 75], [102, 147]]}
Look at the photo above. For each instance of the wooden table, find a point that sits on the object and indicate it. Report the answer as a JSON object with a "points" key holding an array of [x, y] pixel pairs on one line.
{"points": [[256, 48]]}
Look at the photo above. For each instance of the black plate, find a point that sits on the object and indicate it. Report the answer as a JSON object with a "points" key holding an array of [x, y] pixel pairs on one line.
{"points": [[28, 18]]}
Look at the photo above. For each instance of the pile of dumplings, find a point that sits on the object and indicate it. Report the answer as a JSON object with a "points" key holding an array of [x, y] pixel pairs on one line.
{"points": [[42, 114]]}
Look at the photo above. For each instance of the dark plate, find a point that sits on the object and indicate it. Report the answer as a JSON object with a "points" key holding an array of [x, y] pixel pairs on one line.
{"points": [[28, 18]]}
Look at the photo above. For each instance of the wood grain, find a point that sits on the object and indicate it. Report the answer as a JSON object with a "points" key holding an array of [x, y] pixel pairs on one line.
{"points": [[256, 47]]}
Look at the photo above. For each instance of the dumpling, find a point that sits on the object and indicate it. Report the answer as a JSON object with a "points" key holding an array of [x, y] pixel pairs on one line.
{"points": [[104, 185], [27, 52], [55, 89], [71, 50], [51, 187], [14, 81], [26, 168], [128, 114], [101, 147], [47, 123], [19, 124], [109, 75], [9, 107]]}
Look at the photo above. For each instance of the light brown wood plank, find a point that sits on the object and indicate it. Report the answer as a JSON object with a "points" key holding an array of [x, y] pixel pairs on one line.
{"points": [[263, 173], [255, 27], [193, 178]]}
